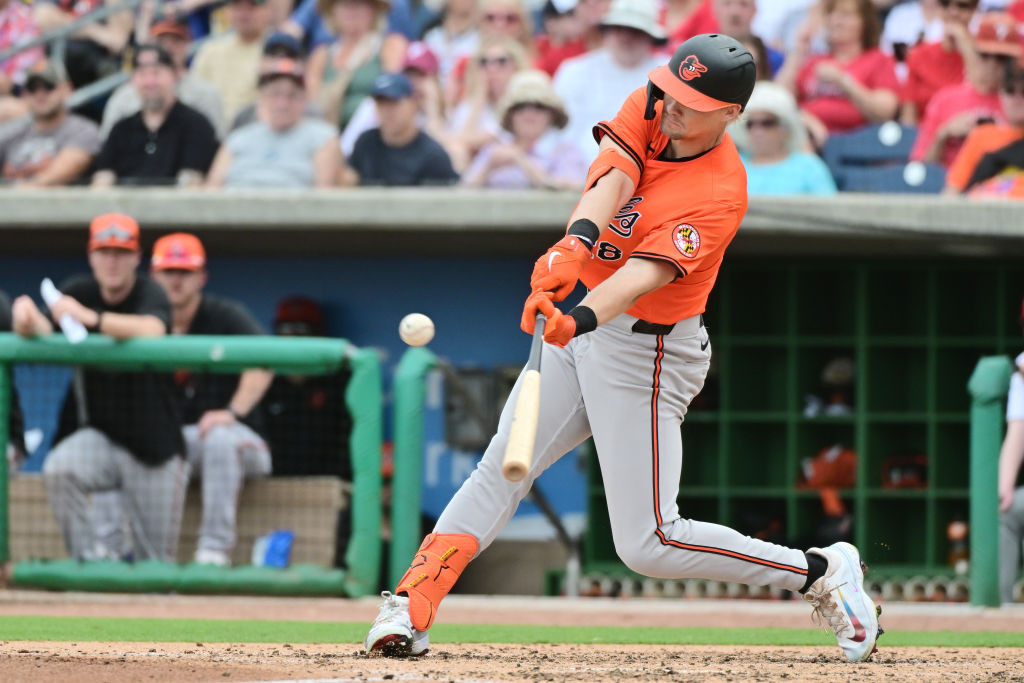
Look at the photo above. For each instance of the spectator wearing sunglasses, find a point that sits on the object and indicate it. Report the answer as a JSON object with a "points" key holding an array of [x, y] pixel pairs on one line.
{"points": [[474, 121], [956, 110], [531, 155], [773, 141], [932, 66], [990, 160], [53, 146]]}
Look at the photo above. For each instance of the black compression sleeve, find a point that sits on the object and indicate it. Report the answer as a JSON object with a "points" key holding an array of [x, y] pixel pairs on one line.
{"points": [[586, 319], [586, 230]]}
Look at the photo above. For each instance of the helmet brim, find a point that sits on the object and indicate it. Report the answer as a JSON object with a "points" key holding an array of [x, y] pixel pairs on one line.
{"points": [[690, 97]]}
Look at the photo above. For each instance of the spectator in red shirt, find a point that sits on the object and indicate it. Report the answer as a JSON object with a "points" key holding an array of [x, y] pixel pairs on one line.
{"points": [[562, 38], [854, 84], [932, 66], [955, 110]]}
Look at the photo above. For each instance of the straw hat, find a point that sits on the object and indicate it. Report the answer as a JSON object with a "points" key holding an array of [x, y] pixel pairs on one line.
{"points": [[531, 87], [776, 100]]}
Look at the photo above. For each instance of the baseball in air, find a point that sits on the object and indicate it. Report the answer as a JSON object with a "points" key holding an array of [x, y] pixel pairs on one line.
{"points": [[416, 329]]}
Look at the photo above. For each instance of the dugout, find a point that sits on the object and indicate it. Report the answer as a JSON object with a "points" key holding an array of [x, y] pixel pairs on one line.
{"points": [[912, 290]]}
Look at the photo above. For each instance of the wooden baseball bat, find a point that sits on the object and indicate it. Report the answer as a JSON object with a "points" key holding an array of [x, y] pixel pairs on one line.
{"points": [[523, 431]]}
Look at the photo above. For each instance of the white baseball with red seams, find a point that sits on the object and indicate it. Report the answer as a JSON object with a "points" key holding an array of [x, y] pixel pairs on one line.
{"points": [[416, 329]]}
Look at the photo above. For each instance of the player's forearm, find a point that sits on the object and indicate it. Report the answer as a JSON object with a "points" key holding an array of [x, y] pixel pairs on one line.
{"points": [[1011, 454], [600, 203], [619, 292], [128, 326], [252, 385]]}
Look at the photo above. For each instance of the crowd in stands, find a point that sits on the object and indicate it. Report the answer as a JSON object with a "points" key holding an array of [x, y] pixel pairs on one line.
{"points": [[501, 93]]}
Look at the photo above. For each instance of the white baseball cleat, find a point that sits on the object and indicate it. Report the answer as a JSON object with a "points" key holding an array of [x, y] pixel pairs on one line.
{"points": [[841, 603], [392, 633]]}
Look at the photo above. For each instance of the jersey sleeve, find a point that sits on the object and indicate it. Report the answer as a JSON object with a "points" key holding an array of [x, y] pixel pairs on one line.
{"points": [[629, 129], [688, 243]]}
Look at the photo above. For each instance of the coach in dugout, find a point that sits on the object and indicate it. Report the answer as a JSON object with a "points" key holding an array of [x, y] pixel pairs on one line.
{"points": [[118, 430], [222, 416]]}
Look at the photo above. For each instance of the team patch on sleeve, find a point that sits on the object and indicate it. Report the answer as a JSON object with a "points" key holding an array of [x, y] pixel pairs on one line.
{"points": [[687, 240]]}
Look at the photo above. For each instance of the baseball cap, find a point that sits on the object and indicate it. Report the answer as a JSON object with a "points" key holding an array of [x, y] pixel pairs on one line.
{"points": [[299, 315], [281, 44], [391, 86], [707, 72], [281, 67], [421, 58], [170, 27], [178, 251], [51, 72], [114, 230], [639, 15], [997, 34], [162, 55]]}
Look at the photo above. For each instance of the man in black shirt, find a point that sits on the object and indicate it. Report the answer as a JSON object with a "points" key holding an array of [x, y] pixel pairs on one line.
{"points": [[399, 152], [15, 425], [118, 430], [166, 142], [221, 412]]}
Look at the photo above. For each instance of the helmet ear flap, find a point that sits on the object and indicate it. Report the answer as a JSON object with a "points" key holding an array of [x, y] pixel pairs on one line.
{"points": [[654, 93]]}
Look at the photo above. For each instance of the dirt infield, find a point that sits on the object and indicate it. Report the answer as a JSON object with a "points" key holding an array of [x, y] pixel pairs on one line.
{"points": [[116, 662]]}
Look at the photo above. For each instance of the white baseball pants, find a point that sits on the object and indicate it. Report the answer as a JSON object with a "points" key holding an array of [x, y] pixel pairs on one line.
{"points": [[630, 391]]}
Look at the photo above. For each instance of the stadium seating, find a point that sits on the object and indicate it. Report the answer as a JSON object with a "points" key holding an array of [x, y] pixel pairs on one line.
{"points": [[883, 145]]}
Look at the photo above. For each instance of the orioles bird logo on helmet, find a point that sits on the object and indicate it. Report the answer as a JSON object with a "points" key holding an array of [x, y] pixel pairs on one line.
{"points": [[691, 68]]}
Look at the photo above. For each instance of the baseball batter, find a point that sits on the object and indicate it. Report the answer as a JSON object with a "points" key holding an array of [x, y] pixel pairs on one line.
{"points": [[663, 199]]}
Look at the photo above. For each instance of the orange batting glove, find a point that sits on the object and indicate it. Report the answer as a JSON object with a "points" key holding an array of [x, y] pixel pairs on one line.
{"points": [[559, 268], [559, 328]]}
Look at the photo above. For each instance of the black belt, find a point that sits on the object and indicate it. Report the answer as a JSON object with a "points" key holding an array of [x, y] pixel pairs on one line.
{"points": [[644, 327]]}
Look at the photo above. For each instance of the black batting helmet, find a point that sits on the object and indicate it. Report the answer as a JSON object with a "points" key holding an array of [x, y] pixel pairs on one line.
{"points": [[707, 72]]}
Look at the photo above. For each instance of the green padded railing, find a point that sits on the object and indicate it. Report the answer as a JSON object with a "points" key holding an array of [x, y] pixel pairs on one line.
{"points": [[409, 392], [311, 356], [988, 386]]}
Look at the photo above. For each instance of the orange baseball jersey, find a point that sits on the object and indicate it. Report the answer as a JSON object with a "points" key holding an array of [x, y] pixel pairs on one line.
{"points": [[683, 212]]}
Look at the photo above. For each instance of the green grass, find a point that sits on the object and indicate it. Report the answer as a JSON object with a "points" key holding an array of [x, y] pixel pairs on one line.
{"points": [[255, 631]]}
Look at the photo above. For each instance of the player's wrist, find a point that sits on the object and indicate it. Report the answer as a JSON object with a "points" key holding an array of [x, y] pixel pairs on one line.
{"points": [[235, 413], [97, 323], [585, 230], [585, 318]]}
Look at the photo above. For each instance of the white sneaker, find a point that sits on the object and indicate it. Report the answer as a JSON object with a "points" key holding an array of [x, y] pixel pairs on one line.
{"points": [[841, 603], [218, 558], [392, 633]]}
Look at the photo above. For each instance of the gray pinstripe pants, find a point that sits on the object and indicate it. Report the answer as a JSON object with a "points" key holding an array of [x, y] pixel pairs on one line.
{"points": [[88, 462]]}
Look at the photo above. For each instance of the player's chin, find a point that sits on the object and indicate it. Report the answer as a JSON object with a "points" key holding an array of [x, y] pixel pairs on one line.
{"points": [[672, 129]]}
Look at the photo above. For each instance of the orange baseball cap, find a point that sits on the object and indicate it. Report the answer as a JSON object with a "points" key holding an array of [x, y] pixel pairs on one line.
{"points": [[179, 251], [114, 230]]}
